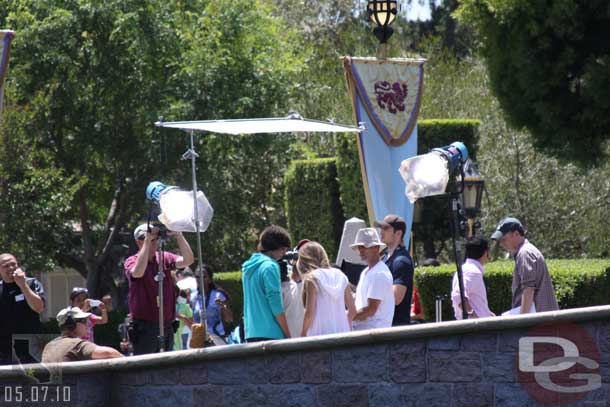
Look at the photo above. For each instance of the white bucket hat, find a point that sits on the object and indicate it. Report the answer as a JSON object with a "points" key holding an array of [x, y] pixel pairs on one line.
{"points": [[367, 237]]}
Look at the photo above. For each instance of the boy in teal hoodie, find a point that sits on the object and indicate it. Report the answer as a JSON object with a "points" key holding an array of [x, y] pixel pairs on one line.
{"points": [[264, 316]]}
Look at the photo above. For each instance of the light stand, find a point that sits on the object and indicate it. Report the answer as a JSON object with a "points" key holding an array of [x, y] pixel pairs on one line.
{"points": [[192, 155], [159, 279], [457, 250]]}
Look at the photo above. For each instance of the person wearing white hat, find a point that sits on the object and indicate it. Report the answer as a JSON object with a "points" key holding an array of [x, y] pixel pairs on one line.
{"points": [[374, 293], [69, 347]]}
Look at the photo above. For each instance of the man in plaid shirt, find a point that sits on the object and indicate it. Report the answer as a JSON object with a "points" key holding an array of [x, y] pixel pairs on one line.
{"points": [[532, 282]]}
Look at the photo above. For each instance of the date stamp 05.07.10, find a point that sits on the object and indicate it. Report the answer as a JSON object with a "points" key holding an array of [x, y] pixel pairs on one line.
{"points": [[38, 395]]}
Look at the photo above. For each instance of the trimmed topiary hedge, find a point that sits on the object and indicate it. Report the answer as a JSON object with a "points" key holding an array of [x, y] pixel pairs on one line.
{"points": [[312, 202], [351, 188], [231, 282], [577, 283]]}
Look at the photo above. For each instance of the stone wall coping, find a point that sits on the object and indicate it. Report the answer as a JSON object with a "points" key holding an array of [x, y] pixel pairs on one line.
{"points": [[369, 337]]}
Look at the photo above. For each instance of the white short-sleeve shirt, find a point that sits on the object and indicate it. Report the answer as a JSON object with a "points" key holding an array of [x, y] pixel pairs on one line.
{"points": [[375, 283]]}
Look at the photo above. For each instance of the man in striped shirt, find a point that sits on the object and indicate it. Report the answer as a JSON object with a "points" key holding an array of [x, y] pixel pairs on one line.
{"points": [[532, 282]]}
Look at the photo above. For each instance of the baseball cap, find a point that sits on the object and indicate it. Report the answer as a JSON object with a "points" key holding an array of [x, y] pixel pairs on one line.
{"points": [[367, 237], [140, 231], [506, 225], [395, 221], [74, 312]]}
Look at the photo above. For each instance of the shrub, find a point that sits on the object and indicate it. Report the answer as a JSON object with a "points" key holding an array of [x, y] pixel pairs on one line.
{"points": [[577, 283], [312, 202], [231, 282]]}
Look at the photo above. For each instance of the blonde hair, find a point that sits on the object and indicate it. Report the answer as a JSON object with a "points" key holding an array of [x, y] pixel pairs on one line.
{"points": [[312, 256]]}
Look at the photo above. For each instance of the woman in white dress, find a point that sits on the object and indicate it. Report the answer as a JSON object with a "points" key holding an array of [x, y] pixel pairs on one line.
{"points": [[328, 301]]}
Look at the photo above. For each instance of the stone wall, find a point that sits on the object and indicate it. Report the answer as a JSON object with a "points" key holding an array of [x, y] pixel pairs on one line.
{"points": [[460, 363]]}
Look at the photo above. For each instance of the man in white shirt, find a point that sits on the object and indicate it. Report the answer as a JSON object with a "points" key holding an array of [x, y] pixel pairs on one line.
{"points": [[374, 293], [475, 295]]}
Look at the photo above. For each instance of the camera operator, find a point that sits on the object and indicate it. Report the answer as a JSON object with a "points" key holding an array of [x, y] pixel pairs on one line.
{"points": [[264, 315], [79, 298], [21, 303], [141, 270]]}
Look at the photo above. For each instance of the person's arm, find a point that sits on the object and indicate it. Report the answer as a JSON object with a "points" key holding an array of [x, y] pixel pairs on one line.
{"points": [[273, 295], [35, 302], [399, 293], [310, 306], [225, 311], [105, 352], [142, 261], [186, 253], [527, 264], [369, 310], [349, 303], [404, 279], [527, 299], [104, 318], [281, 320]]}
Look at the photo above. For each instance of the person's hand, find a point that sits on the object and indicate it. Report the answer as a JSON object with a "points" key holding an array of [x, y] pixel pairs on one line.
{"points": [[152, 234], [106, 302], [19, 276]]}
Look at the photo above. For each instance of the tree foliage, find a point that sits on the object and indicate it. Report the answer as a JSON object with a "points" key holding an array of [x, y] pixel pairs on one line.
{"points": [[89, 78], [548, 63]]}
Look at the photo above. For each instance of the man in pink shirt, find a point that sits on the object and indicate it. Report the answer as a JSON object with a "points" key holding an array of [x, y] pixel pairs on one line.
{"points": [[475, 295]]}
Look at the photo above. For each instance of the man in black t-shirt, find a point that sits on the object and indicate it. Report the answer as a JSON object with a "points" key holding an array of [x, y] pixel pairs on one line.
{"points": [[399, 262], [21, 303]]}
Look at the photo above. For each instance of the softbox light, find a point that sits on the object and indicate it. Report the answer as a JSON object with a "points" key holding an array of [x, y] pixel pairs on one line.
{"points": [[177, 207], [428, 174]]}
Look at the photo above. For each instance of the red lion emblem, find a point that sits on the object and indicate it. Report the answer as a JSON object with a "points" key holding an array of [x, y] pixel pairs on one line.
{"points": [[391, 96]]}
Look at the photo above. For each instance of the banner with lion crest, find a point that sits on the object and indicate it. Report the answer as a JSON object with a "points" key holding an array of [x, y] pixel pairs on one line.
{"points": [[5, 51], [386, 95]]}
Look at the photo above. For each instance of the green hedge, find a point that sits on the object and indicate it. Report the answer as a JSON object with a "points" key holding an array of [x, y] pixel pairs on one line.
{"points": [[351, 188], [231, 282], [312, 202], [577, 283], [431, 134]]}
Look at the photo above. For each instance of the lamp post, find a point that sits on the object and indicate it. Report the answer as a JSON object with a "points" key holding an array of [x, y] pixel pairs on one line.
{"points": [[382, 13], [472, 194]]}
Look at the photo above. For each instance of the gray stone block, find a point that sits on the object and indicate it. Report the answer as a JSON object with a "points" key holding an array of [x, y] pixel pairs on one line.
{"points": [[149, 396], [342, 395], [92, 390], [426, 394], [508, 341], [238, 371], [480, 342], [258, 373], [269, 395], [444, 343], [383, 395], [316, 367], [454, 367], [233, 371], [512, 395], [603, 336], [499, 367], [284, 368], [208, 396], [408, 362], [165, 376], [194, 375], [473, 395], [360, 365], [604, 367], [134, 378]]}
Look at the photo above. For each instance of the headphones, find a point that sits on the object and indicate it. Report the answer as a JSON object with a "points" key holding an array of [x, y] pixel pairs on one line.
{"points": [[70, 321]]}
